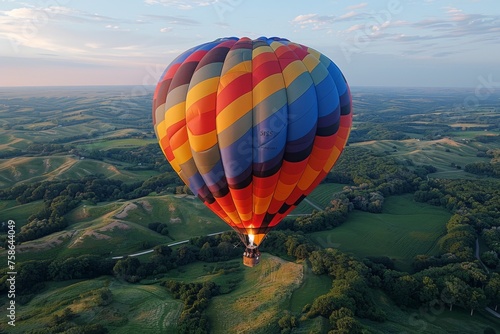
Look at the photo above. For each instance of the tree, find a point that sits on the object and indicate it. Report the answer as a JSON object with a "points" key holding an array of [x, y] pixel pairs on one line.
{"points": [[348, 325], [454, 291], [127, 268], [476, 299], [492, 289], [429, 290]]}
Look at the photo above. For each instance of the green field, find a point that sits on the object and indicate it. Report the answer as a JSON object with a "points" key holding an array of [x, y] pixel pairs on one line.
{"points": [[438, 319], [445, 154], [38, 169], [403, 229], [257, 299], [120, 228], [312, 286], [108, 143], [135, 308], [254, 306], [19, 213]]}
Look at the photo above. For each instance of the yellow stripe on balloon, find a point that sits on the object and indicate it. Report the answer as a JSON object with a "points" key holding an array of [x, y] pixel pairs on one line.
{"points": [[267, 87], [183, 153], [292, 71], [200, 143], [234, 111], [243, 67], [331, 159], [200, 90]]}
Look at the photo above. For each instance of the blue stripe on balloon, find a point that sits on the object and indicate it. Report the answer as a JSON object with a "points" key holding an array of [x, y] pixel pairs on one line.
{"points": [[302, 114], [328, 97], [215, 179], [196, 183], [237, 157], [270, 136]]}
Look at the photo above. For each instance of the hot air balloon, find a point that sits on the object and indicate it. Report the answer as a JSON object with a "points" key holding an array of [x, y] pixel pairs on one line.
{"points": [[252, 126]]}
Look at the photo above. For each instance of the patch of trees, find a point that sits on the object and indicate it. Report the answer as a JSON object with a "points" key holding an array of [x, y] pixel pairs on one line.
{"points": [[32, 275], [208, 249], [483, 168], [288, 244], [475, 206], [159, 228], [372, 172], [148, 157], [488, 139], [372, 131], [350, 293], [47, 149], [491, 237], [196, 297], [333, 215], [462, 284]]}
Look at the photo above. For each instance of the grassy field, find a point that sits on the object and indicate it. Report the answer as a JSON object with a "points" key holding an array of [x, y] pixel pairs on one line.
{"points": [[120, 228], [436, 320], [37, 169], [108, 143], [135, 308], [258, 297], [18, 213], [312, 286], [444, 154], [404, 229], [321, 197], [257, 303]]}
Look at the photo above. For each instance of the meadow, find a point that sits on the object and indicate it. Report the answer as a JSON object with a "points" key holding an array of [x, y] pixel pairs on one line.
{"points": [[131, 309], [403, 230]]}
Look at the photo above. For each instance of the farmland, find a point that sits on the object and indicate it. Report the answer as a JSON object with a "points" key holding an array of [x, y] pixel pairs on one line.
{"points": [[92, 151], [403, 230]]}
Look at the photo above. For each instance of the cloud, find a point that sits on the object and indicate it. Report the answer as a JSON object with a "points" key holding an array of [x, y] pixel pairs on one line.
{"points": [[41, 15], [186, 5], [81, 36], [457, 23], [179, 20], [358, 6]]}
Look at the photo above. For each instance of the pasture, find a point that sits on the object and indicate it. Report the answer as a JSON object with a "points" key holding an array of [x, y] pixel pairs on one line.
{"points": [[256, 304], [437, 319], [448, 155], [121, 227], [403, 230], [134, 308]]}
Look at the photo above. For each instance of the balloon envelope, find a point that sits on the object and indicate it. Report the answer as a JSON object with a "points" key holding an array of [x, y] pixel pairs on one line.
{"points": [[252, 126]]}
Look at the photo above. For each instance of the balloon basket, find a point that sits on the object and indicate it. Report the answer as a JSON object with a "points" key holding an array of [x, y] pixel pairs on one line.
{"points": [[251, 256]]}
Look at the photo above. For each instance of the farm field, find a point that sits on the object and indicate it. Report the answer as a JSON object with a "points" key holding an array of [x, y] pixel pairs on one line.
{"points": [[403, 230]]}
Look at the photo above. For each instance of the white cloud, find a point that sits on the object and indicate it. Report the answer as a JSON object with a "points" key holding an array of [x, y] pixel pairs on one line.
{"points": [[185, 5], [358, 6]]}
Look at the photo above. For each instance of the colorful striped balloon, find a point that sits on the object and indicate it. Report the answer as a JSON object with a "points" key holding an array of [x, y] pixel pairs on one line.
{"points": [[252, 126]]}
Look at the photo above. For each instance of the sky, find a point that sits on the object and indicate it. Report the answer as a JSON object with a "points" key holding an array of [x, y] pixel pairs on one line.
{"points": [[427, 43]]}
